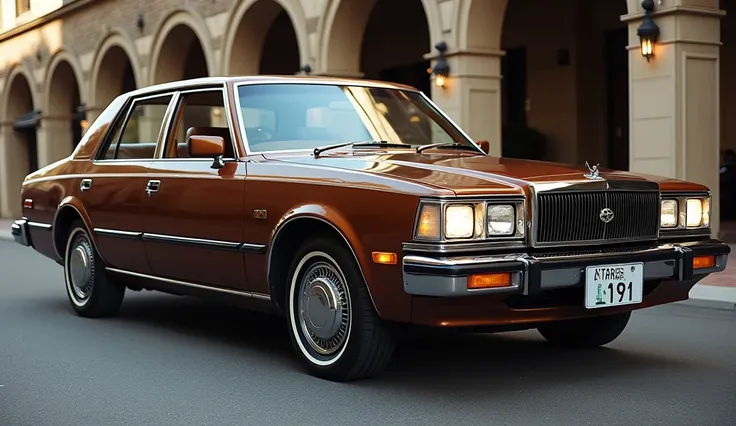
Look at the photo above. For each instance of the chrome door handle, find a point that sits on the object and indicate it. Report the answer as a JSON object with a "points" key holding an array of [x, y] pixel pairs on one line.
{"points": [[86, 184], [152, 186]]}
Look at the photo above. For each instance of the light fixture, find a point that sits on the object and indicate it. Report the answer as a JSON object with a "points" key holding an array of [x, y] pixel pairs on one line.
{"points": [[140, 23], [648, 31], [306, 69], [441, 70]]}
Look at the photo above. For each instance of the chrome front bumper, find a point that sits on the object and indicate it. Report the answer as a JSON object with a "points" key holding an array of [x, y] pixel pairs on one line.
{"points": [[19, 229], [533, 274]]}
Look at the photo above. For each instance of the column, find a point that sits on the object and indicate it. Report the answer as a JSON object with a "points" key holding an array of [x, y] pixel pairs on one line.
{"points": [[674, 102], [54, 140], [472, 94], [13, 169]]}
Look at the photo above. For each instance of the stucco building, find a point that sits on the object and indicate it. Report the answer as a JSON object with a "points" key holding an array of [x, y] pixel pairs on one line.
{"points": [[564, 79]]}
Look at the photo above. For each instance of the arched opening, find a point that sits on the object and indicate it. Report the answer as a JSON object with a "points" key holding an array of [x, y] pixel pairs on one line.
{"points": [[565, 73], [266, 32], [115, 76], [65, 112], [181, 57], [20, 152], [395, 40]]}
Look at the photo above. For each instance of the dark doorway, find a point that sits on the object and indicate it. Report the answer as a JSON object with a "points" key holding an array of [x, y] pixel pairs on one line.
{"points": [[25, 128], [395, 40], [280, 53], [513, 70], [617, 83]]}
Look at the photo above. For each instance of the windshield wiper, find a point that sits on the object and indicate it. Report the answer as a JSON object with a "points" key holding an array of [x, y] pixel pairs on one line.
{"points": [[382, 144], [452, 145]]}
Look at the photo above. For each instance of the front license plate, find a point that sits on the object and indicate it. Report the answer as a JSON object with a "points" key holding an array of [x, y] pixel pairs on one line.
{"points": [[614, 285]]}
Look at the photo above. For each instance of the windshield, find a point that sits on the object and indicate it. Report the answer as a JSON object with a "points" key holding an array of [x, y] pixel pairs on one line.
{"points": [[306, 116]]}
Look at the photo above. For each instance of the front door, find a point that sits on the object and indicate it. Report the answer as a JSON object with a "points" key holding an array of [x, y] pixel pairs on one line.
{"points": [[194, 231], [113, 186]]}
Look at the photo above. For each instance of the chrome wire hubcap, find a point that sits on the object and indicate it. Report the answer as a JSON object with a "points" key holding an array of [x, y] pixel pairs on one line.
{"points": [[80, 268], [324, 308]]}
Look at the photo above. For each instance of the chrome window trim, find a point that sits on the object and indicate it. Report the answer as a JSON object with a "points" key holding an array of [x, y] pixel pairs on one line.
{"points": [[170, 123], [132, 101], [241, 123], [444, 202], [250, 294]]}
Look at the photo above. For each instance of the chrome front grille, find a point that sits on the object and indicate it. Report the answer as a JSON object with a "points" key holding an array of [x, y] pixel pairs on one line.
{"points": [[574, 217]]}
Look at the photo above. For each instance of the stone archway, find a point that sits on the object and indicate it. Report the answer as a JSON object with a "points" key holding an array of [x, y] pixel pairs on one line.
{"points": [[269, 30], [63, 116], [113, 72], [19, 150], [346, 25], [404, 27], [181, 50]]}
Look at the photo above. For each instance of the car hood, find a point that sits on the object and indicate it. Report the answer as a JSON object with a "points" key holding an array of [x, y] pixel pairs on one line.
{"points": [[470, 174]]}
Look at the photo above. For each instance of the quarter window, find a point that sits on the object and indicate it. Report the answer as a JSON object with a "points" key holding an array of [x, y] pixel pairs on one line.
{"points": [[135, 137]]}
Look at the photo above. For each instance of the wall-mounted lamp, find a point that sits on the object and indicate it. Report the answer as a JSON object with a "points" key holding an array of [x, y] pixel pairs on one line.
{"points": [[306, 69], [139, 22], [648, 31], [441, 70]]}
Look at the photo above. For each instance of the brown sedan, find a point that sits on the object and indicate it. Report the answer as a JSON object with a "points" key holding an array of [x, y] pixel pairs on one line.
{"points": [[353, 208]]}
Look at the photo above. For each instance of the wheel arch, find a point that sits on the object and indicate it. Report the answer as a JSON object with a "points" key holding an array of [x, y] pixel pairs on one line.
{"points": [[301, 222], [68, 210]]}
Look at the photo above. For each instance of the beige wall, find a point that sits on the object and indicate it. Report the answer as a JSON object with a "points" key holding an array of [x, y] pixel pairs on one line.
{"points": [[567, 103]]}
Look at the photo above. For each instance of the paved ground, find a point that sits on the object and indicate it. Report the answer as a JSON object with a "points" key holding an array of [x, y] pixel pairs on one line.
{"points": [[175, 361]]}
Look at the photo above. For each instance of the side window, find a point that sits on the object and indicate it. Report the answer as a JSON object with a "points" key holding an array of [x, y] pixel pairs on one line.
{"points": [[135, 136], [199, 113]]}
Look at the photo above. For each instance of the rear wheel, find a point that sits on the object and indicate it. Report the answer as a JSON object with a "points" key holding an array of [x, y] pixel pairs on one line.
{"points": [[91, 292], [332, 322], [586, 332]]}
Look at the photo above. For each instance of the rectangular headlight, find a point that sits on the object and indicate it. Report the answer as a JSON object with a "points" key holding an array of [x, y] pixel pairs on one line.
{"points": [[697, 212], [501, 220], [669, 214], [459, 221]]}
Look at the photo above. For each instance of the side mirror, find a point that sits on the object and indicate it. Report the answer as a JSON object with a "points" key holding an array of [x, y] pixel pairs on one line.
{"points": [[485, 146], [202, 146]]}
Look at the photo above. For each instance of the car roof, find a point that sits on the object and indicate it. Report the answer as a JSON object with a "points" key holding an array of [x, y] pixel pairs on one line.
{"points": [[268, 79]]}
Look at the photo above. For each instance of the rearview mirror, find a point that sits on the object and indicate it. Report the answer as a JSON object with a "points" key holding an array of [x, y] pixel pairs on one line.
{"points": [[485, 146], [202, 146]]}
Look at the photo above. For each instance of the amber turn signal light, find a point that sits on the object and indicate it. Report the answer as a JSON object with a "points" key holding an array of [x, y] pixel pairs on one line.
{"points": [[479, 281], [384, 258], [704, 262]]}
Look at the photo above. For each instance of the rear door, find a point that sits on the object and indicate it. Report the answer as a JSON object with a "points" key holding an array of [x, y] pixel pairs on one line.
{"points": [[113, 189], [194, 231]]}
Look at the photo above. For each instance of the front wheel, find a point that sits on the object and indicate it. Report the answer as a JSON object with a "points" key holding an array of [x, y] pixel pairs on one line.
{"points": [[586, 332], [91, 292], [332, 322]]}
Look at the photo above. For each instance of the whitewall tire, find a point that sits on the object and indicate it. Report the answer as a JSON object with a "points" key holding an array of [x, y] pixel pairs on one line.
{"points": [[332, 322], [91, 292]]}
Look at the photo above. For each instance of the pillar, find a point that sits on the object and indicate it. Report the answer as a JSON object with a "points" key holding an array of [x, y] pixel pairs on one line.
{"points": [[54, 140], [13, 169], [472, 94], [674, 102]]}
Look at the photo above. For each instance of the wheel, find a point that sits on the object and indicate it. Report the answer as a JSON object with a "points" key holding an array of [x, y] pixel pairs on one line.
{"points": [[332, 322], [587, 332], [91, 292]]}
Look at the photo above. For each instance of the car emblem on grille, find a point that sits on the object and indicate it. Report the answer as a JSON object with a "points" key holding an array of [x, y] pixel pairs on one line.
{"points": [[593, 171], [606, 215]]}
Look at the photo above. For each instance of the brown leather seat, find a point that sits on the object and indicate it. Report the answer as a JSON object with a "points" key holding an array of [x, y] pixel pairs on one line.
{"points": [[223, 132]]}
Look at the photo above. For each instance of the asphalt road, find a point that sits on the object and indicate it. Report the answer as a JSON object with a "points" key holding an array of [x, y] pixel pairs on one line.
{"points": [[176, 361]]}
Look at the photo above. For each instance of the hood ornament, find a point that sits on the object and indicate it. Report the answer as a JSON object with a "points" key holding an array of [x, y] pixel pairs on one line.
{"points": [[606, 215], [593, 171]]}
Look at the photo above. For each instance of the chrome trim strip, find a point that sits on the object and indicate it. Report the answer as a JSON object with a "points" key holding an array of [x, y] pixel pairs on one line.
{"points": [[250, 294], [117, 233], [191, 241], [463, 247], [39, 225], [217, 244]]}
